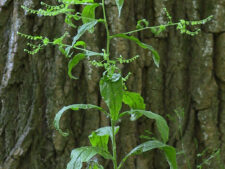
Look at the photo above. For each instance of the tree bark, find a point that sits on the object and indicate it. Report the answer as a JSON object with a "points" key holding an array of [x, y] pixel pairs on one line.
{"points": [[191, 77]]}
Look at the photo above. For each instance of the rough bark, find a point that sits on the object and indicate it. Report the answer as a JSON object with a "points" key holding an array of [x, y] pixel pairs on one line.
{"points": [[191, 76]]}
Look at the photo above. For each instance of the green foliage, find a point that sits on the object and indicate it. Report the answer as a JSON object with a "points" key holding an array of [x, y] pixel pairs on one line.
{"points": [[134, 101], [112, 84], [100, 137], [84, 154], [88, 13], [111, 88], [160, 121], [169, 151], [73, 62], [156, 57], [119, 4], [85, 27], [73, 107]]}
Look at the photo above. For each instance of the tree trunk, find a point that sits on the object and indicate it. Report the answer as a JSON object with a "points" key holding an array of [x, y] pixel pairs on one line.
{"points": [[191, 77]]}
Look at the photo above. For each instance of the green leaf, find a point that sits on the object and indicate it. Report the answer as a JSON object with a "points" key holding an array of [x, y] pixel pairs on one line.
{"points": [[160, 121], [73, 107], [73, 62], [88, 13], [119, 4], [99, 141], [91, 53], [169, 151], [156, 57], [82, 29], [107, 131], [100, 137], [84, 154], [68, 20], [134, 101], [112, 92], [80, 43]]}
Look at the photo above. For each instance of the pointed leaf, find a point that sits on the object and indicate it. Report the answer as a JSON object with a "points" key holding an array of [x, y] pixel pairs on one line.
{"points": [[107, 131], [72, 107], [99, 141], [119, 4], [91, 53], [160, 122], [84, 154], [82, 29], [73, 62], [169, 151], [100, 137], [88, 13], [156, 57], [134, 101], [68, 20], [80, 43], [112, 92]]}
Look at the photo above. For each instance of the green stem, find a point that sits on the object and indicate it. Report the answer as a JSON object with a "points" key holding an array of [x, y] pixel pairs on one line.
{"points": [[107, 28], [107, 54], [145, 28], [81, 49], [114, 145]]}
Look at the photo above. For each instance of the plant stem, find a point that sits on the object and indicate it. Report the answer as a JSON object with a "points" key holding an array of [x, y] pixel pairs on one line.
{"points": [[107, 53], [114, 145], [145, 28], [107, 28]]}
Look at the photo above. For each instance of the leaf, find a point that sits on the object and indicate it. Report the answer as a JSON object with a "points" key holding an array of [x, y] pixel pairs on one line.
{"points": [[88, 13], [119, 4], [73, 62], [112, 92], [160, 121], [169, 151], [73, 107], [80, 43], [100, 137], [107, 131], [84, 154], [82, 29], [134, 101], [91, 53], [156, 56], [68, 20], [99, 141]]}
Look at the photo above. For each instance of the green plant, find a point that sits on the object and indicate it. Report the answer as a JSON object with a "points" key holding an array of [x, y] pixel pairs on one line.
{"points": [[112, 85]]}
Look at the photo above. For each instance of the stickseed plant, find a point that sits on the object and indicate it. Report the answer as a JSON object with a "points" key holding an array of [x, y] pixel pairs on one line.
{"points": [[112, 84]]}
